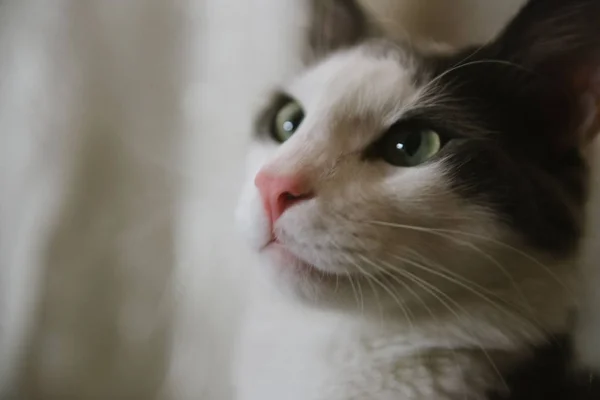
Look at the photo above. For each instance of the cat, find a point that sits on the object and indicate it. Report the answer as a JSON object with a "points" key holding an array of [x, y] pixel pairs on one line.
{"points": [[416, 211], [57, 57]]}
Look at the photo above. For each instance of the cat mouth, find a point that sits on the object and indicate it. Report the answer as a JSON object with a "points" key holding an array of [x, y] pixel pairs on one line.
{"points": [[276, 246], [294, 269], [272, 241], [286, 259]]}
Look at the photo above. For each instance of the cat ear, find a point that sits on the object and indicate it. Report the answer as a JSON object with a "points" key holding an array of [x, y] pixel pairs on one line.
{"points": [[334, 24], [560, 41]]}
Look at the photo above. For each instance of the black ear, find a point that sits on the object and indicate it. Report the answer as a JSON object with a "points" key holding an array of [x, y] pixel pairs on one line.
{"points": [[559, 40], [334, 24]]}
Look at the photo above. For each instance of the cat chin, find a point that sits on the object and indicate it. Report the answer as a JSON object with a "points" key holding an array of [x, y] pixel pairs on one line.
{"points": [[289, 266], [298, 278]]}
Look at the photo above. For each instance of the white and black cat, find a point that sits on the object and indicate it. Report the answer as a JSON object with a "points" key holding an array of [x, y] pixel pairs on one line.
{"points": [[418, 211]]}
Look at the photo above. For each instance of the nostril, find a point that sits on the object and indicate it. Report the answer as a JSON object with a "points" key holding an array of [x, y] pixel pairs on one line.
{"points": [[288, 196], [293, 197], [279, 192], [288, 199]]}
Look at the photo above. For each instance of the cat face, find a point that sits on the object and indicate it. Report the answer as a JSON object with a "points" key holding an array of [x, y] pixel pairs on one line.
{"points": [[384, 171]]}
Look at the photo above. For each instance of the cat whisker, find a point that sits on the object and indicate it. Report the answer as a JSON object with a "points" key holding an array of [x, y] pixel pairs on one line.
{"points": [[521, 309], [405, 309], [349, 276], [391, 293], [379, 282], [482, 293], [361, 295], [407, 287], [370, 278], [436, 269], [446, 232], [354, 292], [431, 84], [485, 255], [513, 249], [440, 296], [470, 55], [450, 277]]}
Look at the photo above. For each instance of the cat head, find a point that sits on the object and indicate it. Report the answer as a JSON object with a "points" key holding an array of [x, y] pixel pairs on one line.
{"points": [[389, 170]]}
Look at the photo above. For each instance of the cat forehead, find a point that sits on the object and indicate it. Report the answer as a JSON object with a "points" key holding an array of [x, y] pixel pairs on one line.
{"points": [[367, 81]]}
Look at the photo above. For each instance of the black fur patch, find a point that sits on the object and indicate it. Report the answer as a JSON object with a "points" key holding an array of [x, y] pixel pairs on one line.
{"points": [[515, 108], [548, 376], [508, 152]]}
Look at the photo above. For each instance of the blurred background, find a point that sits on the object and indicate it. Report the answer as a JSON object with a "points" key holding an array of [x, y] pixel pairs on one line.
{"points": [[123, 128]]}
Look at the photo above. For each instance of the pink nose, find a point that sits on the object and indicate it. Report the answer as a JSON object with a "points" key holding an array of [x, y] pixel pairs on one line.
{"points": [[280, 192]]}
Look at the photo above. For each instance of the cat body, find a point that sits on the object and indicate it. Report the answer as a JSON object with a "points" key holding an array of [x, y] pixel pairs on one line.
{"points": [[292, 353], [417, 211], [328, 357]]}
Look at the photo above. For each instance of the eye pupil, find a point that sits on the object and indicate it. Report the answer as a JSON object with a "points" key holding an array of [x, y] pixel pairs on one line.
{"points": [[413, 143], [287, 120]]}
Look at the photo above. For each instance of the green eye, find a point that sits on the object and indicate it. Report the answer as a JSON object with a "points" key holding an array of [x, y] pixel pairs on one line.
{"points": [[286, 121], [408, 148]]}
